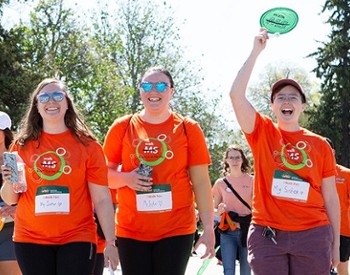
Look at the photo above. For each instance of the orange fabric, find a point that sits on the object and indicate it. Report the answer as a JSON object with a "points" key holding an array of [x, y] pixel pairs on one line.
{"points": [[226, 222], [101, 244], [343, 188], [82, 164], [114, 196], [307, 155], [173, 151]]}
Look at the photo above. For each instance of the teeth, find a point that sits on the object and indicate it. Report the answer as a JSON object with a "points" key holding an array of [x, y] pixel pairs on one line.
{"points": [[154, 99]]}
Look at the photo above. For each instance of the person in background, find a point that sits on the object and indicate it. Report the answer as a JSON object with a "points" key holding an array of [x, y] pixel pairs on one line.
{"points": [[66, 173], [236, 172], [8, 262], [156, 218], [342, 180], [295, 223]]}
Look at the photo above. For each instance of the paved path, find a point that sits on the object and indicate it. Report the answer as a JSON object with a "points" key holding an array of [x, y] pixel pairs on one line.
{"points": [[193, 266]]}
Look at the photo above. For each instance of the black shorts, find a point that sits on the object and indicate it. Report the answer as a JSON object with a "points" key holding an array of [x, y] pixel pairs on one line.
{"points": [[165, 256], [76, 258], [7, 250], [344, 248]]}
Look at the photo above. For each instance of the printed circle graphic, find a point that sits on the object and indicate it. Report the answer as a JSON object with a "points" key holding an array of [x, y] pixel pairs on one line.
{"points": [[301, 145], [151, 151], [51, 165], [169, 154], [293, 166]]}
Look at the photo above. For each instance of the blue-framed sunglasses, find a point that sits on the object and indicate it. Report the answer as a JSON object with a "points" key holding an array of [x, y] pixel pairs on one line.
{"points": [[56, 96], [159, 86]]}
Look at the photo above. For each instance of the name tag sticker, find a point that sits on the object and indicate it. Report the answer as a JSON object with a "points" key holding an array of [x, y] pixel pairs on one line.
{"points": [[287, 185], [52, 200], [159, 199]]}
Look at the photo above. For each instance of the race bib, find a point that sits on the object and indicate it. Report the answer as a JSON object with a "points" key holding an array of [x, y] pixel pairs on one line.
{"points": [[159, 199], [52, 200], [287, 185]]}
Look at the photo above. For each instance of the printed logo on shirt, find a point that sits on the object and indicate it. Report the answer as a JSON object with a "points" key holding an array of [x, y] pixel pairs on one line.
{"points": [[339, 180], [51, 164], [153, 151], [295, 157]]}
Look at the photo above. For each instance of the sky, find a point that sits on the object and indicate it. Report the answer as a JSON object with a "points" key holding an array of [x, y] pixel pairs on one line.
{"points": [[223, 31], [219, 35]]}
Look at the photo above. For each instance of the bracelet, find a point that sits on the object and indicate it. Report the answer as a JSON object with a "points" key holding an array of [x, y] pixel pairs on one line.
{"points": [[111, 242]]}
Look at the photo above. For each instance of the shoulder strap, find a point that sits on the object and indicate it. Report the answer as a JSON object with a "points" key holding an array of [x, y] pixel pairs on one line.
{"points": [[237, 195]]}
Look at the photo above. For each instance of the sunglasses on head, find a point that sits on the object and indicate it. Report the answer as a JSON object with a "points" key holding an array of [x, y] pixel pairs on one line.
{"points": [[159, 86], [56, 96]]}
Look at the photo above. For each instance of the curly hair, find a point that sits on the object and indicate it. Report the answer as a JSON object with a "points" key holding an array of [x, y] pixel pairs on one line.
{"points": [[245, 168], [32, 123]]}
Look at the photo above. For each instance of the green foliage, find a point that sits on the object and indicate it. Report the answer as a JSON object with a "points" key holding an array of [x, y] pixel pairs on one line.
{"points": [[217, 150], [260, 92], [16, 81], [101, 56], [332, 115]]}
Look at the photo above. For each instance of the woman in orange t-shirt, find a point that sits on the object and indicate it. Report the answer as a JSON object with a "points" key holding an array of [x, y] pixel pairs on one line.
{"points": [[66, 174], [343, 188], [156, 217], [295, 223]]}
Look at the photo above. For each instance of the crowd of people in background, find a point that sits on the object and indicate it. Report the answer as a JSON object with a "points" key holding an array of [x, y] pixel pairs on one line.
{"points": [[134, 198]]}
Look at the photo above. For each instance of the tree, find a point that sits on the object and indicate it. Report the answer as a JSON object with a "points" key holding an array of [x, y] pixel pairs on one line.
{"points": [[137, 39], [260, 91], [102, 60], [332, 115], [15, 79]]}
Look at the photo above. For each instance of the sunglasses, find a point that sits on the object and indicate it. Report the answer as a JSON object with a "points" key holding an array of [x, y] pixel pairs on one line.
{"points": [[56, 96], [160, 86]]}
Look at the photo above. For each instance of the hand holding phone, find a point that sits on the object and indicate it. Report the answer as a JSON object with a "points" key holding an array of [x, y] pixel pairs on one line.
{"points": [[10, 161], [145, 170]]}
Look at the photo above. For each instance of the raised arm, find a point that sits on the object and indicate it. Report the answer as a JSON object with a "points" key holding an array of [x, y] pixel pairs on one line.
{"points": [[244, 111]]}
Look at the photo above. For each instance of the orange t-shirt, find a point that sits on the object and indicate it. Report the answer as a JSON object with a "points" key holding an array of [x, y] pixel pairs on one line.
{"points": [[303, 153], [170, 148], [59, 162], [343, 187]]}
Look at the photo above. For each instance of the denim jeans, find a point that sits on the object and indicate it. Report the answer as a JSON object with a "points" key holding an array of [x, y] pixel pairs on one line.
{"points": [[231, 244]]}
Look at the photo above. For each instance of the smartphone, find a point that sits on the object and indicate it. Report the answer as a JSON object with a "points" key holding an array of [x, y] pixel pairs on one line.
{"points": [[144, 170], [10, 161]]}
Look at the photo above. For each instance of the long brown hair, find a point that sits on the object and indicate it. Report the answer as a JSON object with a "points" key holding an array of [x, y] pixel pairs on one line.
{"points": [[8, 137], [32, 123], [245, 168]]}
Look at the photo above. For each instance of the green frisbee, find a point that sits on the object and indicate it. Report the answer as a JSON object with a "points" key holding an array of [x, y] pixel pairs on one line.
{"points": [[279, 20]]}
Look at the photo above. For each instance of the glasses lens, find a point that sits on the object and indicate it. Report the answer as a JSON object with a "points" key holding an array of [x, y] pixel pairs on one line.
{"points": [[161, 86], [235, 158], [146, 86], [44, 98], [57, 96]]}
